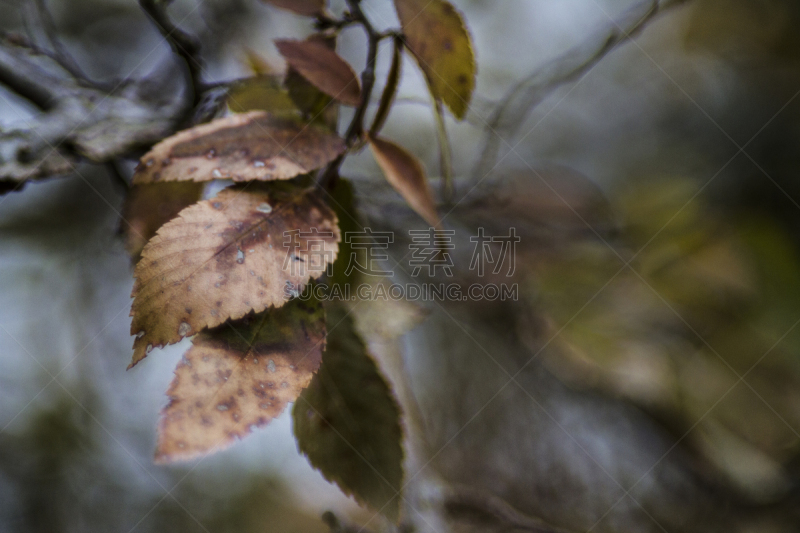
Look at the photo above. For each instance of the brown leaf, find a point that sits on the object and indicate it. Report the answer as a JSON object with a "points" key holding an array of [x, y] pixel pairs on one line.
{"points": [[405, 173], [314, 104], [251, 146], [239, 376], [308, 8], [222, 258], [322, 67], [347, 422], [436, 35], [148, 207]]}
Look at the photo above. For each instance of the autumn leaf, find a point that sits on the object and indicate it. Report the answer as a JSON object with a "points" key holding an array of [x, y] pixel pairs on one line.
{"points": [[252, 146], [347, 422], [323, 68], [224, 257], [314, 104], [404, 172], [239, 376], [148, 207], [308, 8], [435, 33]]}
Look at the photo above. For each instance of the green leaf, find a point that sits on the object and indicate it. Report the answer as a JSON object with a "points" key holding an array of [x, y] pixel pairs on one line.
{"points": [[342, 200], [436, 35], [347, 422]]}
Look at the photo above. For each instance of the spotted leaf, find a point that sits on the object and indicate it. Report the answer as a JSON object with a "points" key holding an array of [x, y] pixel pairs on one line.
{"points": [[251, 146], [435, 33], [239, 376], [249, 248]]}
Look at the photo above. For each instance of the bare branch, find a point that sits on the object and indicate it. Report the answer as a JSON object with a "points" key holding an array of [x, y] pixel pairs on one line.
{"points": [[183, 45], [20, 72], [356, 128], [77, 121], [60, 53], [463, 503], [520, 101]]}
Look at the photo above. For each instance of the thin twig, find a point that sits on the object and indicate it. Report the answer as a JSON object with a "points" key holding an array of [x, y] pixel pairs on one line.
{"points": [[367, 76], [356, 128], [355, 131], [23, 78], [59, 54], [529, 92], [186, 46]]}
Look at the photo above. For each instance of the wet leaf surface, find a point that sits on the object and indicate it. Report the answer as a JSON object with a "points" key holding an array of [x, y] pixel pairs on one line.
{"points": [[251, 146], [224, 257]]}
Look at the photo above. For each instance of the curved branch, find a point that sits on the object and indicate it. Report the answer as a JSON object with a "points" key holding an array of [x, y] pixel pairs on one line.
{"points": [[519, 102], [77, 121], [356, 128], [185, 46]]}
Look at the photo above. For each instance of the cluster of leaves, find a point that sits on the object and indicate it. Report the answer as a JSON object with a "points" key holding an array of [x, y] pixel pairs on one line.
{"points": [[218, 270]]}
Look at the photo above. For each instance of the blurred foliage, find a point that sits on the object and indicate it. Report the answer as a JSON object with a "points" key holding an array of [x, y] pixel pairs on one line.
{"points": [[682, 304], [711, 294], [61, 481]]}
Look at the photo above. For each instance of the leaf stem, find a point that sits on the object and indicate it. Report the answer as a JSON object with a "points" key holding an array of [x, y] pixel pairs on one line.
{"points": [[356, 128]]}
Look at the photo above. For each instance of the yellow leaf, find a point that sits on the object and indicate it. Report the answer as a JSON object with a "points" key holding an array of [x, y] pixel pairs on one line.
{"points": [[224, 257], [264, 93], [257, 64], [405, 173], [436, 35], [251, 146], [238, 376]]}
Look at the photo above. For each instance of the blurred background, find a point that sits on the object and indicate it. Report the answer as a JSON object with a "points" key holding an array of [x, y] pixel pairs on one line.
{"points": [[660, 288]]}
